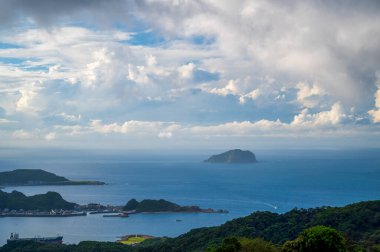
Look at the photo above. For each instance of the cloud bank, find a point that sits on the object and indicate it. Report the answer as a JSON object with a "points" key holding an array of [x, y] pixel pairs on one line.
{"points": [[166, 72]]}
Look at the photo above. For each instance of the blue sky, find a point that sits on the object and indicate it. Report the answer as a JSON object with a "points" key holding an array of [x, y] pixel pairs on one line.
{"points": [[189, 74]]}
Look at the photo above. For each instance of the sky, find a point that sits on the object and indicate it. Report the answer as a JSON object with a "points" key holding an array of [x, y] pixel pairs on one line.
{"points": [[197, 74]]}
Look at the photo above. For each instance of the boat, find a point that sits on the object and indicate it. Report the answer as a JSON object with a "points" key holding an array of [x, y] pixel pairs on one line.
{"points": [[123, 215], [47, 240]]}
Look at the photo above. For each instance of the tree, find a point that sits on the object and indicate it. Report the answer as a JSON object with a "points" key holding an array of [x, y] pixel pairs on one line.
{"points": [[315, 239], [230, 244], [256, 245], [242, 244]]}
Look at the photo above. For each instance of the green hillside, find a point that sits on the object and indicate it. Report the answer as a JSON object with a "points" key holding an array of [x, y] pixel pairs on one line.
{"points": [[43, 202], [25, 177], [149, 205], [29, 176], [359, 222]]}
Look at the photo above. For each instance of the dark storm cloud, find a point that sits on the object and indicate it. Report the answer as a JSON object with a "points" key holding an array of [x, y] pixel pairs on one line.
{"points": [[48, 13]]}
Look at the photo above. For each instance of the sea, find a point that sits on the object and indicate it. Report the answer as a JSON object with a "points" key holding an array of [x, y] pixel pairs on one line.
{"points": [[281, 180]]}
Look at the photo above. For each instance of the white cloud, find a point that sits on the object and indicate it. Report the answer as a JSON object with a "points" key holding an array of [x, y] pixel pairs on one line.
{"points": [[245, 128], [70, 118], [165, 135], [302, 41], [375, 113], [284, 57], [5, 121], [50, 136], [186, 71], [303, 122], [231, 88], [251, 95], [237, 88], [96, 70], [22, 134], [73, 130], [377, 97], [324, 118], [137, 74], [28, 102], [308, 95], [160, 129]]}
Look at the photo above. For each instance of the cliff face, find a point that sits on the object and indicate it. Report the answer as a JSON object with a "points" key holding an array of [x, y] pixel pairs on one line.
{"points": [[233, 156]]}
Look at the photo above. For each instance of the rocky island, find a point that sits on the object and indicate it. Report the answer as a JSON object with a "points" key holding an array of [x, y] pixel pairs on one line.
{"points": [[233, 156], [37, 177]]}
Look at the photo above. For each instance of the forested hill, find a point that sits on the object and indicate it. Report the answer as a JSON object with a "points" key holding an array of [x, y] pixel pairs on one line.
{"points": [[149, 205], [46, 202], [27, 177], [358, 222]]}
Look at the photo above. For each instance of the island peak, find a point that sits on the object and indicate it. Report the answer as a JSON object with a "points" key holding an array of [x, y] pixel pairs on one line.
{"points": [[233, 156]]}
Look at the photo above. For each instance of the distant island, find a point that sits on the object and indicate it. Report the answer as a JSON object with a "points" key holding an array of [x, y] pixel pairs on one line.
{"points": [[233, 156], [154, 206], [37, 177]]}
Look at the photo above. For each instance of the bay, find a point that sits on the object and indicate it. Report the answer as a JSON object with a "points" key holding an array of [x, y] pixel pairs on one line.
{"points": [[279, 182]]}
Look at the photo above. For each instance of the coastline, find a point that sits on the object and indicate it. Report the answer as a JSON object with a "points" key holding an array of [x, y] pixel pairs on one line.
{"points": [[109, 211]]}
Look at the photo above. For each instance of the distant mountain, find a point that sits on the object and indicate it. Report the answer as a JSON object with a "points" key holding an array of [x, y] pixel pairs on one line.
{"points": [[25, 177], [233, 156], [43, 202]]}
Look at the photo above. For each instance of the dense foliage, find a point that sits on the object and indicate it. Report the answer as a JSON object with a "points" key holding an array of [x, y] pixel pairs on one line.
{"points": [[149, 205], [43, 202], [359, 222], [241, 244], [131, 205], [28, 176], [315, 239], [86, 246]]}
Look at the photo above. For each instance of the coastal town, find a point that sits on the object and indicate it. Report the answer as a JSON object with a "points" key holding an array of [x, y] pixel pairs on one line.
{"points": [[95, 208]]}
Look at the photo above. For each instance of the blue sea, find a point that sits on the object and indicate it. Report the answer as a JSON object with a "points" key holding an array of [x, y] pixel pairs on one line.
{"points": [[279, 182]]}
